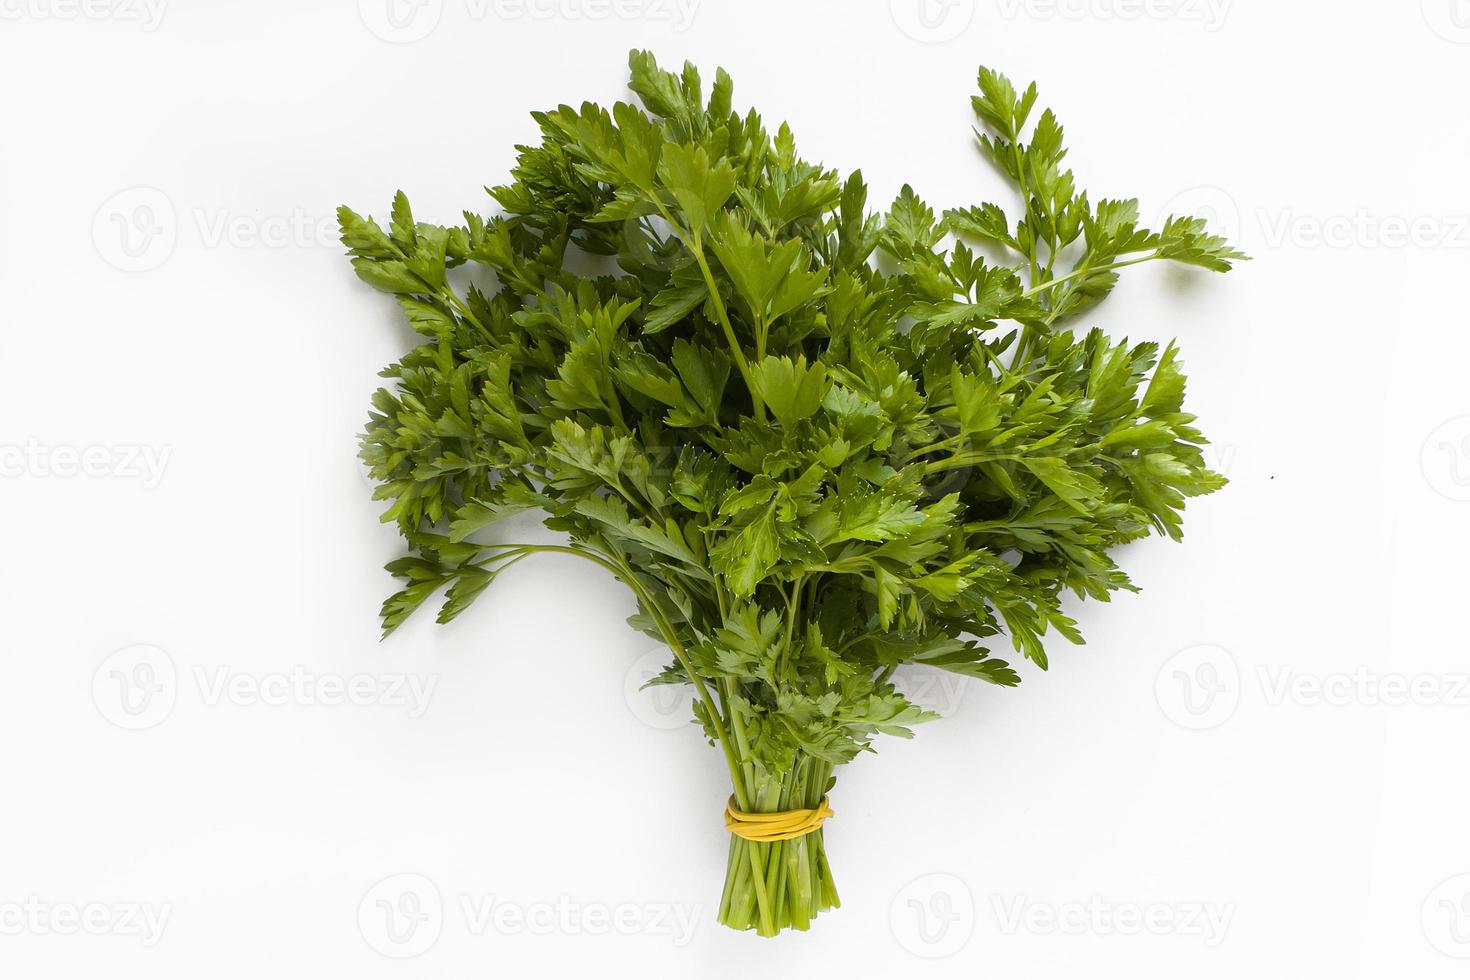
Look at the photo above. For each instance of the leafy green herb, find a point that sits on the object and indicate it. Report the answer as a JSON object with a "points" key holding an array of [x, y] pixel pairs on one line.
{"points": [[817, 443]]}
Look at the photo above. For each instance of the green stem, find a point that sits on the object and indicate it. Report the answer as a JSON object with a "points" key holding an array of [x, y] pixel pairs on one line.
{"points": [[1086, 269], [724, 317], [1025, 189], [793, 875], [1030, 333], [696, 248], [964, 459]]}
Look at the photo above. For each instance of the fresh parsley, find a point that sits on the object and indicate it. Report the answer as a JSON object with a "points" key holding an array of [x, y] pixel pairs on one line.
{"points": [[816, 442]]}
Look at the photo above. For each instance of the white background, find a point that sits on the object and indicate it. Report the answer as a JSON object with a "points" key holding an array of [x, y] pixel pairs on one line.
{"points": [[1231, 760]]}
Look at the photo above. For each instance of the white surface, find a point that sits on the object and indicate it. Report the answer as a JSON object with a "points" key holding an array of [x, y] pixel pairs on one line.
{"points": [[1302, 834]]}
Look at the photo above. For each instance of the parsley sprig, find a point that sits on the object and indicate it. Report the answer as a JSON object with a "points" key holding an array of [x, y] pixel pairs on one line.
{"points": [[816, 442]]}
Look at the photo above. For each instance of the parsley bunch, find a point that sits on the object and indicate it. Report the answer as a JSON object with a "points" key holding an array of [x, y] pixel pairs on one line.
{"points": [[817, 443]]}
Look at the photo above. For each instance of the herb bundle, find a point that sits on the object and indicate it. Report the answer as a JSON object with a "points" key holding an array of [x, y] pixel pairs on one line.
{"points": [[817, 443]]}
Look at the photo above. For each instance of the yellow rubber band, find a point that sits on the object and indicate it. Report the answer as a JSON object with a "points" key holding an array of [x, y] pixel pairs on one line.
{"points": [[769, 827]]}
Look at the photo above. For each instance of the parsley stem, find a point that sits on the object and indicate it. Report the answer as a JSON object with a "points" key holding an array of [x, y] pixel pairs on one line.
{"points": [[1085, 269], [696, 247], [740, 359], [964, 459], [1030, 333], [1026, 194]]}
